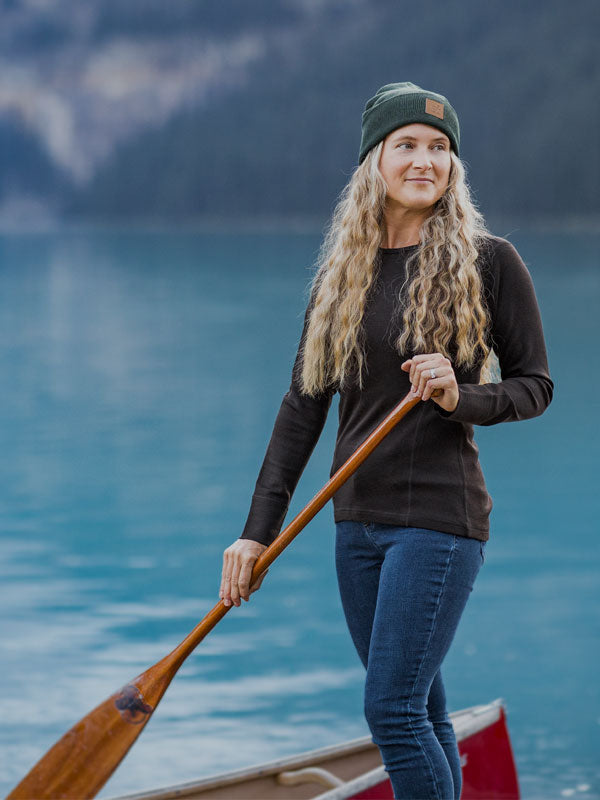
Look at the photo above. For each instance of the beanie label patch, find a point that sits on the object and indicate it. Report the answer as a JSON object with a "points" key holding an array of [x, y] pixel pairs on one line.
{"points": [[434, 108]]}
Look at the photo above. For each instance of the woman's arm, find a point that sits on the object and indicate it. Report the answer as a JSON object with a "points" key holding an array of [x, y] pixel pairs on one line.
{"points": [[296, 431], [525, 390]]}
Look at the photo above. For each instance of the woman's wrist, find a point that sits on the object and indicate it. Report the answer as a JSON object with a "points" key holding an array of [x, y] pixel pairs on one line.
{"points": [[448, 400]]}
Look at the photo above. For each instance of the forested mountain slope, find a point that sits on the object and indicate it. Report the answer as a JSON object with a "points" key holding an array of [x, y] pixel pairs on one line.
{"points": [[194, 108]]}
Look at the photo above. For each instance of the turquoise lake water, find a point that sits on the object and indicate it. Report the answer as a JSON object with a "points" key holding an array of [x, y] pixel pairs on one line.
{"points": [[140, 376]]}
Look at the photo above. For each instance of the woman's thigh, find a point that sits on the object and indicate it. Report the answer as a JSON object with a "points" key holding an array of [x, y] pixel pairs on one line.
{"points": [[358, 565], [425, 581]]}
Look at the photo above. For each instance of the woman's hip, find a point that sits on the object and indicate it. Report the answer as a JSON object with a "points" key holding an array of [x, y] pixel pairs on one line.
{"points": [[416, 555]]}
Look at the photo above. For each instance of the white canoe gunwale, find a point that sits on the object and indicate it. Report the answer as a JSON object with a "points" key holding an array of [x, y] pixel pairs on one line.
{"points": [[355, 762]]}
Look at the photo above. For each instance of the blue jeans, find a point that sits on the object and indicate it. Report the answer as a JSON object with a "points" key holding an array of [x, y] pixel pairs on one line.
{"points": [[403, 592]]}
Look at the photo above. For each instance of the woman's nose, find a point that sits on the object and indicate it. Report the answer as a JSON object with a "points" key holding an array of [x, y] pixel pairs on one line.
{"points": [[421, 159]]}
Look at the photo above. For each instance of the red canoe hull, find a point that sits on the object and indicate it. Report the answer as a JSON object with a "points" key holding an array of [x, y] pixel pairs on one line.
{"points": [[488, 768]]}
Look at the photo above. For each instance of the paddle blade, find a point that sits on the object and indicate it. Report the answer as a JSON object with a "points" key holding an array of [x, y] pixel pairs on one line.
{"points": [[81, 762]]}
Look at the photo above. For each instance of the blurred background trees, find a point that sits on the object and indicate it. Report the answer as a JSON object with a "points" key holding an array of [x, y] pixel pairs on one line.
{"points": [[191, 109]]}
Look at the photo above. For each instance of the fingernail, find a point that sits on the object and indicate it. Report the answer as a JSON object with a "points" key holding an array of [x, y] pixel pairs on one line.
{"points": [[226, 602]]}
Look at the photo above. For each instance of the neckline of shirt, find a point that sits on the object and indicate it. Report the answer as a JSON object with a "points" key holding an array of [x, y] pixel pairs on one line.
{"points": [[397, 249]]}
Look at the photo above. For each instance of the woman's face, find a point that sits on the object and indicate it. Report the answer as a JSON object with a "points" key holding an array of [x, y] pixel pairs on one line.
{"points": [[415, 164]]}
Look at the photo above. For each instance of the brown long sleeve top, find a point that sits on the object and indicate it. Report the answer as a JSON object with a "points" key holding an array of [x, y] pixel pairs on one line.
{"points": [[426, 472]]}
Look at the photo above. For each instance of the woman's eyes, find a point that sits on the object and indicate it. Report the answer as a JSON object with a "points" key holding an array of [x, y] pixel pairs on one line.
{"points": [[440, 146]]}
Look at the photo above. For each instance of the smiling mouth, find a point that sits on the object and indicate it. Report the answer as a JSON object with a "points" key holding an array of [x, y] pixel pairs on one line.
{"points": [[420, 180]]}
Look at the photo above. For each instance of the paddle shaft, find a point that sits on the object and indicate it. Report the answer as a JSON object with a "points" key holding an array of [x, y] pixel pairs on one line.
{"points": [[289, 533], [81, 762]]}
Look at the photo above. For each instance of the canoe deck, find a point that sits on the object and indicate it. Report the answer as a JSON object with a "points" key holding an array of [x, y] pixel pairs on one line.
{"points": [[353, 769]]}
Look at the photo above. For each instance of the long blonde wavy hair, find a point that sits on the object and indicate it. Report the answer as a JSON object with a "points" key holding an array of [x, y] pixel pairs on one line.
{"points": [[443, 306]]}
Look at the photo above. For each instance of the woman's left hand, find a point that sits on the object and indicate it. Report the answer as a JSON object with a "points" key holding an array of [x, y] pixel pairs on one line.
{"points": [[430, 372]]}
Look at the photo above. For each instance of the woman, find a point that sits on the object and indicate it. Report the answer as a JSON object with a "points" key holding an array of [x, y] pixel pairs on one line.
{"points": [[411, 294]]}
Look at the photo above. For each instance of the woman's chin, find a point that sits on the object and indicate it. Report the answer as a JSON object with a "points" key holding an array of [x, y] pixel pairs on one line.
{"points": [[419, 200]]}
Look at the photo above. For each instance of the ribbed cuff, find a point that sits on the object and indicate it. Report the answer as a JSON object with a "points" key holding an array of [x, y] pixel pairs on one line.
{"points": [[472, 408], [264, 520]]}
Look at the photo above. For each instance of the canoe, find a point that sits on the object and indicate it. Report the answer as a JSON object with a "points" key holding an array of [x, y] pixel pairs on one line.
{"points": [[353, 771]]}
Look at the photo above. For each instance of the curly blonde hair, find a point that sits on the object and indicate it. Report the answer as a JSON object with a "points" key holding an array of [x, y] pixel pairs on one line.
{"points": [[444, 309]]}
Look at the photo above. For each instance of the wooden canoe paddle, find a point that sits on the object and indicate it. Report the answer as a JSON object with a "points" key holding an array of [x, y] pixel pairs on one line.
{"points": [[81, 762]]}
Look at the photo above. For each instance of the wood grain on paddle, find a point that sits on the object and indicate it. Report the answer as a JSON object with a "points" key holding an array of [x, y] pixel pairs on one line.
{"points": [[81, 762]]}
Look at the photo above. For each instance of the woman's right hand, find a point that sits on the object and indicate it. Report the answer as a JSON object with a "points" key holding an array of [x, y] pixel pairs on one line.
{"points": [[238, 560]]}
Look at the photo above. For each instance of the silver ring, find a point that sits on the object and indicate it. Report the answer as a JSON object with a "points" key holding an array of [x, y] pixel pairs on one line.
{"points": [[432, 373]]}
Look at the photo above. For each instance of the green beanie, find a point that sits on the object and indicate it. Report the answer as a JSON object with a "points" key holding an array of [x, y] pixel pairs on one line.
{"points": [[398, 104]]}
